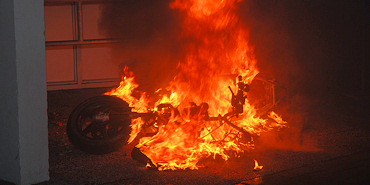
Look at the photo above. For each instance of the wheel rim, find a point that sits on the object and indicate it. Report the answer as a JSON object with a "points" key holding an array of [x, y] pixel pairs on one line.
{"points": [[100, 129]]}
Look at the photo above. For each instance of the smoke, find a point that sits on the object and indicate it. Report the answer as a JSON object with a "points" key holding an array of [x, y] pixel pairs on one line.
{"points": [[312, 48], [315, 49], [149, 32]]}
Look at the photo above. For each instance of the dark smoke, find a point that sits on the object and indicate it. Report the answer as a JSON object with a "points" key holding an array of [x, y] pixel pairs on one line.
{"points": [[318, 50], [150, 45], [314, 48]]}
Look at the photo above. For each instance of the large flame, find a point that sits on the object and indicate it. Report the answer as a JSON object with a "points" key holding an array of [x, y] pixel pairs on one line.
{"points": [[217, 52]]}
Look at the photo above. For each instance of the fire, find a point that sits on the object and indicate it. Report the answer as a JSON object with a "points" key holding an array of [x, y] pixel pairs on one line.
{"points": [[256, 166], [125, 90], [217, 52]]}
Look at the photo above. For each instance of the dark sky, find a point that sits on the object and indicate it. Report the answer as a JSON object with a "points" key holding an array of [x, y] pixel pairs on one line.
{"points": [[310, 46]]}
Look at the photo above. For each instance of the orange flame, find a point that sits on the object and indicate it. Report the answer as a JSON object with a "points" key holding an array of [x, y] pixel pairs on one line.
{"points": [[124, 91], [256, 166], [217, 51]]}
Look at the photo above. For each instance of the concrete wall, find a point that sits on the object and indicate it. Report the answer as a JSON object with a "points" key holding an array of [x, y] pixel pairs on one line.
{"points": [[9, 129], [23, 110]]}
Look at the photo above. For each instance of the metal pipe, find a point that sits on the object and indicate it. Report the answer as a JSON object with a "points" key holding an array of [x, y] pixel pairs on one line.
{"points": [[246, 133]]}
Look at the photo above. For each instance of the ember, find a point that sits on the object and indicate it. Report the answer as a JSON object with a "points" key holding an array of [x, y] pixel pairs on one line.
{"points": [[217, 52], [256, 166]]}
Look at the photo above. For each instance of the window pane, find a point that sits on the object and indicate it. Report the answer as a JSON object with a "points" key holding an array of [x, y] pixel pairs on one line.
{"points": [[98, 63], [91, 17], [58, 23], [60, 66]]}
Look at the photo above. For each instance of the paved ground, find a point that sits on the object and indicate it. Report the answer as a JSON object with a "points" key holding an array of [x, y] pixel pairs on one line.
{"points": [[332, 147]]}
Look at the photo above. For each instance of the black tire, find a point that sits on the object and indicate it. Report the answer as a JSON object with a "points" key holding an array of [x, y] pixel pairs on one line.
{"points": [[98, 135]]}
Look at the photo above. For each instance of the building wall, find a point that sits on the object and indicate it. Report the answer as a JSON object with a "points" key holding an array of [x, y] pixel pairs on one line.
{"points": [[23, 110]]}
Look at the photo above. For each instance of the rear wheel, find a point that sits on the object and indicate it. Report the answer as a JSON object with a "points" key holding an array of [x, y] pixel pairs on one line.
{"points": [[100, 124]]}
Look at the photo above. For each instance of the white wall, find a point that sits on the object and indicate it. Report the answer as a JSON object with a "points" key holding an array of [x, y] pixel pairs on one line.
{"points": [[23, 110]]}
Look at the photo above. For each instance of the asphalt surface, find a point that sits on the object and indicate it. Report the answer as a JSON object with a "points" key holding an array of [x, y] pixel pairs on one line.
{"points": [[331, 146]]}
